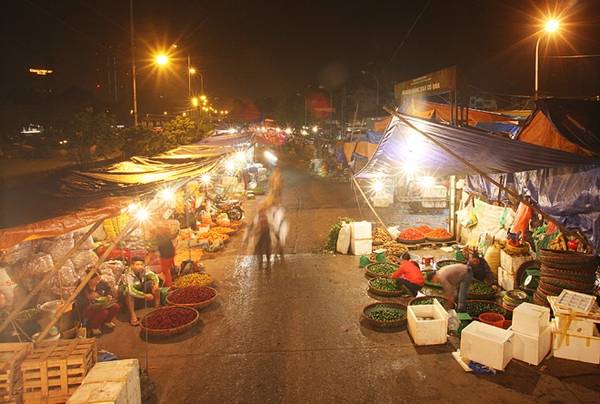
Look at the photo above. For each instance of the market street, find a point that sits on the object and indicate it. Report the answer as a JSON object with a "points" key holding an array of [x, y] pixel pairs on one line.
{"points": [[293, 335]]}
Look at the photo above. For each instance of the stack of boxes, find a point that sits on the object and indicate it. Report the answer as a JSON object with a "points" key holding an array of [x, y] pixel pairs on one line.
{"points": [[361, 241], [532, 333], [507, 271], [486, 344], [575, 336]]}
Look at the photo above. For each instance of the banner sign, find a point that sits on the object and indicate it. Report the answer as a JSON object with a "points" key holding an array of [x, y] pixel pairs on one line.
{"points": [[438, 82]]}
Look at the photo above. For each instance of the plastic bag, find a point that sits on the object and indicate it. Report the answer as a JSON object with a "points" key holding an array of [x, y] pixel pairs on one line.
{"points": [[343, 240], [38, 264], [522, 219], [115, 266], [83, 259], [60, 247]]}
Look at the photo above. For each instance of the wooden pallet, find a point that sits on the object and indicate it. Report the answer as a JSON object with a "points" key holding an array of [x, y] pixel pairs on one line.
{"points": [[11, 379], [54, 369]]}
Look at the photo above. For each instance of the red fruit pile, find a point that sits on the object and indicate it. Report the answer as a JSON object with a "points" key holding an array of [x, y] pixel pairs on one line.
{"points": [[169, 317], [192, 294]]}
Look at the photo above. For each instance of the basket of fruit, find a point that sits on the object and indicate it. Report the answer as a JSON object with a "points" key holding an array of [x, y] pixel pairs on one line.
{"points": [[480, 291], [385, 315], [442, 263], [385, 287], [429, 300], [476, 307], [411, 236], [196, 297], [380, 269], [169, 321], [195, 279], [439, 235]]}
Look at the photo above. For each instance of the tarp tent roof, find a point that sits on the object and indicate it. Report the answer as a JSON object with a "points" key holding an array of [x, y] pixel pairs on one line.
{"points": [[53, 206], [568, 125], [402, 146]]}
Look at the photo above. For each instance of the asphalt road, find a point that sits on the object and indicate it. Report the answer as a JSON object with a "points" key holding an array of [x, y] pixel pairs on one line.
{"points": [[293, 334]]}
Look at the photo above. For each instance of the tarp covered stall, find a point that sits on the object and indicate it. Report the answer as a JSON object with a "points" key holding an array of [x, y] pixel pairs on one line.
{"points": [[403, 147], [569, 125], [443, 113]]}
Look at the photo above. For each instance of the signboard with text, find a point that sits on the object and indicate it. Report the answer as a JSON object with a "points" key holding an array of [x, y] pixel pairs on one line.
{"points": [[438, 82]]}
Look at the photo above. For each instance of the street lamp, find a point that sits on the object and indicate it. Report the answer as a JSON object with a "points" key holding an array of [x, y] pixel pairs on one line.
{"points": [[551, 26], [364, 73], [161, 59]]}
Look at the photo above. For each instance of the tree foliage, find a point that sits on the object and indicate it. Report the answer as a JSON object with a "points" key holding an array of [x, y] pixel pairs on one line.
{"points": [[181, 130], [90, 133]]}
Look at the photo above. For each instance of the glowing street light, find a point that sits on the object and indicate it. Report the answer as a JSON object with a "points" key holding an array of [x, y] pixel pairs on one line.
{"points": [[315, 129], [192, 70], [550, 27], [195, 102], [288, 131], [205, 179], [167, 195], [270, 156], [161, 59], [142, 214], [377, 186]]}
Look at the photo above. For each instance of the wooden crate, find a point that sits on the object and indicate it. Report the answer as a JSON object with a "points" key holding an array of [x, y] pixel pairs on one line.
{"points": [[11, 380], [54, 369]]}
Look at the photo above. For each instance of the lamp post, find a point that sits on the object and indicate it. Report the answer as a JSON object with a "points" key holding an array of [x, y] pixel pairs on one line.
{"points": [[134, 108], [550, 27], [364, 73]]}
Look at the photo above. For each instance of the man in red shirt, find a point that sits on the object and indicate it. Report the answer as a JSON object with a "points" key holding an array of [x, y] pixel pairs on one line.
{"points": [[409, 275]]}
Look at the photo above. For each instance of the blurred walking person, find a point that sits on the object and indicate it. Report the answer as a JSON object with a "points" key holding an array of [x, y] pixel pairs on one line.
{"points": [[260, 235]]}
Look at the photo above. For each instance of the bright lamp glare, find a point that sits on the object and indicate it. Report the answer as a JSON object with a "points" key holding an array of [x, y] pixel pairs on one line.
{"points": [[167, 195], [132, 207], [161, 59], [552, 25], [270, 156], [315, 129], [205, 179], [409, 167], [142, 214], [377, 186], [426, 181], [230, 166], [240, 156], [288, 131]]}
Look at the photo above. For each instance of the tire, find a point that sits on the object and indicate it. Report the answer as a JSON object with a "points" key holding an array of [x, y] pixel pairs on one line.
{"points": [[235, 214]]}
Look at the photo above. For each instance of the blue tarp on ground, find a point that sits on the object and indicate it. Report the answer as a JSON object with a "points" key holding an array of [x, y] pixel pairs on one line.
{"points": [[502, 127]]}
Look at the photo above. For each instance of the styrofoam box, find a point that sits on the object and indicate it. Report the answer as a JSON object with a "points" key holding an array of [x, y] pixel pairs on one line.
{"points": [[361, 230], [579, 326], [532, 349], [530, 319], [486, 344], [575, 347], [428, 332], [512, 262], [361, 247], [383, 200], [506, 279], [115, 382]]}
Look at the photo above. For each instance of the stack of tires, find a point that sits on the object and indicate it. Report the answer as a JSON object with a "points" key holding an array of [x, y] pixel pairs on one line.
{"points": [[565, 270]]}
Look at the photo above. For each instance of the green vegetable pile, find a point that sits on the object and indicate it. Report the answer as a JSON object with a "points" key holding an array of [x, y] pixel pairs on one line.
{"points": [[480, 288], [385, 313], [384, 284], [382, 268], [476, 308], [334, 231], [429, 300]]}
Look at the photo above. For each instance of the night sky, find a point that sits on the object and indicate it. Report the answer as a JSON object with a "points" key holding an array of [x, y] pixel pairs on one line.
{"points": [[253, 49]]}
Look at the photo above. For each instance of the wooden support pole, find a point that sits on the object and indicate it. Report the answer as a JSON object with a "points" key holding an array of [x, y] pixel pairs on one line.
{"points": [[48, 276], [133, 223], [473, 167]]}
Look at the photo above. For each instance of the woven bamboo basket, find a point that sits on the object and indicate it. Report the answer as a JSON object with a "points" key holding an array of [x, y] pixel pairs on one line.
{"points": [[386, 293], [197, 306], [384, 324], [169, 331]]}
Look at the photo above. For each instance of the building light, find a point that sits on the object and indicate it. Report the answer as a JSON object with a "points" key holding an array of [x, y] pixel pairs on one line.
{"points": [[40, 72]]}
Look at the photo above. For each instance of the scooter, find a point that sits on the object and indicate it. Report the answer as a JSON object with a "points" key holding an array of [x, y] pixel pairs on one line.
{"points": [[232, 207]]}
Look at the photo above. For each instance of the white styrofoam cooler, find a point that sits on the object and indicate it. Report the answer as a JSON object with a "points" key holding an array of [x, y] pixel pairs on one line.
{"points": [[532, 349], [506, 279], [575, 347], [530, 319], [428, 332], [512, 262], [361, 230], [486, 344], [115, 382], [361, 247], [383, 200]]}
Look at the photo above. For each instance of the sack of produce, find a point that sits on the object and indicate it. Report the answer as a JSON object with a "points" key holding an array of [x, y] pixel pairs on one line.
{"points": [[83, 259], [343, 240], [60, 247], [38, 264], [117, 268], [19, 252]]}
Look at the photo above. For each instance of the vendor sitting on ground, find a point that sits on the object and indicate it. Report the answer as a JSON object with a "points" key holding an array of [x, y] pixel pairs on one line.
{"points": [[140, 284], [409, 275], [97, 304], [456, 279]]}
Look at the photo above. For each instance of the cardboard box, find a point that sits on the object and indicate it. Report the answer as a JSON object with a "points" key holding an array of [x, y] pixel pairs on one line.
{"points": [[531, 349], [530, 319], [486, 344]]}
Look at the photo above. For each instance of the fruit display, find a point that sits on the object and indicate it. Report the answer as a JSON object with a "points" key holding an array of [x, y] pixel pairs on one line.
{"points": [[169, 317], [429, 300], [386, 313], [381, 269], [380, 236], [222, 230], [411, 234], [215, 236], [393, 248], [196, 279], [438, 234], [385, 284], [442, 263], [423, 228], [479, 288], [192, 295]]}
